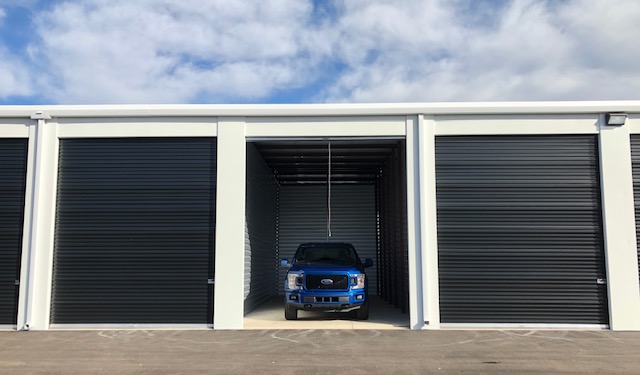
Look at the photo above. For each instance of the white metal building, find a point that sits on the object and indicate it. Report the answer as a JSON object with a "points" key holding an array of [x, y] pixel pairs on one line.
{"points": [[476, 214]]}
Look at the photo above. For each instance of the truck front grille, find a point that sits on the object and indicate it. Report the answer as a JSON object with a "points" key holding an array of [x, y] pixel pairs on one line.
{"points": [[325, 299], [338, 282]]}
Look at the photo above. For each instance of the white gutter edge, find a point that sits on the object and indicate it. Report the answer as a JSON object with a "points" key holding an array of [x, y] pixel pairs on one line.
{"points": [[372, 109]]}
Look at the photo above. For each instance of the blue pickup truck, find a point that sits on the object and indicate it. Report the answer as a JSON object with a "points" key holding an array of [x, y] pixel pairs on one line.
{"points": [[326, 276]]}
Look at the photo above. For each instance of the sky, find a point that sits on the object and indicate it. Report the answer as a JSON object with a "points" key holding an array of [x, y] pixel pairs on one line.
{"points": [[317, 51]]}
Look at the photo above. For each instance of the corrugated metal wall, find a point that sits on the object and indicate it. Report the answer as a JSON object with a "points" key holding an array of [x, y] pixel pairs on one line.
{"points": [[135, 230], [520, 230], [635, 162], [261, 256], [393, 255], [13, 170], [303, 218]]}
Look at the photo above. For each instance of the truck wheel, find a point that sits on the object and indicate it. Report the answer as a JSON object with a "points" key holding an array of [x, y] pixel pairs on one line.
{"points": [[290, 312], [363, 312]]}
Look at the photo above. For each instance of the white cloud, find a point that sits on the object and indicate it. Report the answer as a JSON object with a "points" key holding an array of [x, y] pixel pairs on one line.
{"points": [[14, 76], [155, 51], [172, 50], [533, 50]]}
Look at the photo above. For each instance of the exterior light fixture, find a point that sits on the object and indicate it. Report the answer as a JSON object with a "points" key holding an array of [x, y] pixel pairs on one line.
{"points": [[616, 119]]}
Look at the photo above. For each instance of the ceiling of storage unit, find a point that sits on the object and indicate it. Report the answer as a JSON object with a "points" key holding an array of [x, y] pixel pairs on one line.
{"points": [[306, 162]]}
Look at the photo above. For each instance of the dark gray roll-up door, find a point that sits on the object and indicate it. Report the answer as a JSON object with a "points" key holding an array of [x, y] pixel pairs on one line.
{"points": [[520, 230], [134, 231], [635, 162], [13, 170]]}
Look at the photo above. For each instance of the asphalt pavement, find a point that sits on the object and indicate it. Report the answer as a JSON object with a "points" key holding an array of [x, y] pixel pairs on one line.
{"points": [[309, 352]]}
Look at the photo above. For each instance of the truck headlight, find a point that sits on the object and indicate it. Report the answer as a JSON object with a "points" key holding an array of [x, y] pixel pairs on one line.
{"points": [[357, 281], [294, 281]]}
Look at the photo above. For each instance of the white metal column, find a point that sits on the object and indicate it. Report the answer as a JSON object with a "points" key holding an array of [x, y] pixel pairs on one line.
{"points": [[230, 224], [413, 224], [40, 212], [619, 227], [429, 223]]}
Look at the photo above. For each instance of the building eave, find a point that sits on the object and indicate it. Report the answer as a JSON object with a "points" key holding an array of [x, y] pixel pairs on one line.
{"points": [[294, 110]]}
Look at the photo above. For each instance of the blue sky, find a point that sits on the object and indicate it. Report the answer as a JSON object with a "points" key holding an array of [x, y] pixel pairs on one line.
{"points": [[317, 51]]}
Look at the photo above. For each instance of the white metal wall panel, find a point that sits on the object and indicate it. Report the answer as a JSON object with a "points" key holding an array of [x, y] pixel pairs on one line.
{"points": [[303, 218], [502, 124], [261, 257], [15, 128], [329, 126], [123, 127]]}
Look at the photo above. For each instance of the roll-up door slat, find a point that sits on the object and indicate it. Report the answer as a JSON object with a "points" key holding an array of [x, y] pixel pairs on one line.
{"points": [[519, 230], [635, 163], [13, 169], [135, 231]]}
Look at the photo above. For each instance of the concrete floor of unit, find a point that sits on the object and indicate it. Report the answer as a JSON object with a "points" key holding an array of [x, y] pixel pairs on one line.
{"points": [[270, 315]]}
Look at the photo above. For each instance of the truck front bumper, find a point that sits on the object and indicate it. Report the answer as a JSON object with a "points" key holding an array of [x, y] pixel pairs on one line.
{"points": [[325, 301]]}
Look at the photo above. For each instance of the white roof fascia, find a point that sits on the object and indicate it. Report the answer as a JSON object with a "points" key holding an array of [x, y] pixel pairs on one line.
{"points": [[289, 110]]}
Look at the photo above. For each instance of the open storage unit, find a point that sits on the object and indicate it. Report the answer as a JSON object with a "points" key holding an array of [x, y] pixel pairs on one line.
{"points": [[289, 201]]}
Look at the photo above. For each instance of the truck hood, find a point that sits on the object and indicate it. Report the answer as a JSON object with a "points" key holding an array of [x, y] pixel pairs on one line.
{"points": [[326, 267]]}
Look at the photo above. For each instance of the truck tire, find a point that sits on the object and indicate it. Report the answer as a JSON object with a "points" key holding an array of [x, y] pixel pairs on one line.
{"points": [[290, 312], [363, 312]]}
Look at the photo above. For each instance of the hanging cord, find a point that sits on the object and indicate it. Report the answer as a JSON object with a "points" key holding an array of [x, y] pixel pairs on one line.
{"points": [[329, 196]]}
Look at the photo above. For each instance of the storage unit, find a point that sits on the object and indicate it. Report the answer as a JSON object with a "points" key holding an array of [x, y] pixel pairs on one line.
{"points": [[520, 230], [13, 169], [366, 209], [134, 239]]}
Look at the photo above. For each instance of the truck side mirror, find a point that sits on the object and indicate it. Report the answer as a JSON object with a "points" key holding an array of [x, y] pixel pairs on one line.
{"points": [[368, 263], [284, 263]]}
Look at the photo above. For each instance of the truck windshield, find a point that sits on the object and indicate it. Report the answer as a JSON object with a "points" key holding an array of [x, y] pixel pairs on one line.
{"points": [[334, 255]]}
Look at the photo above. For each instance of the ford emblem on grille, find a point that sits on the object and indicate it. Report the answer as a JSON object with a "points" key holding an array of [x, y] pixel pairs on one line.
{"points": [[326, 281]]}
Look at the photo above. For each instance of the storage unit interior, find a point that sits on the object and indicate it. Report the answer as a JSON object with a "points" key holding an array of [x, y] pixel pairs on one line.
{"points": [[287, 204]]}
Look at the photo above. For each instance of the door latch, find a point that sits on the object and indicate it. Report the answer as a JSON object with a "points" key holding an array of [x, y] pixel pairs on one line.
{"points": [[601, 281]]}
